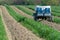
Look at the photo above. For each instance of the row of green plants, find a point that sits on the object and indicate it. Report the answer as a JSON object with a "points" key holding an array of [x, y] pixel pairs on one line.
{"points": [[55, 9], [37, 28], [29, 12], [3, 35], [31, 7], [56, 14]]}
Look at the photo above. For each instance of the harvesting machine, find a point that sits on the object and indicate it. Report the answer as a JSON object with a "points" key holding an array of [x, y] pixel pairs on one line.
{"points": [[43, 12]]}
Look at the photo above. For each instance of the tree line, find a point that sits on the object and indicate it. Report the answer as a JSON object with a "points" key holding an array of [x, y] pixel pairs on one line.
{"points": [[31, 2]]}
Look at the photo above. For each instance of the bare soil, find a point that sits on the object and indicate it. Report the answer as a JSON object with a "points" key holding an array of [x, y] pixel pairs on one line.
{"points": [[18, 31], [52, 24], [6, 29]]}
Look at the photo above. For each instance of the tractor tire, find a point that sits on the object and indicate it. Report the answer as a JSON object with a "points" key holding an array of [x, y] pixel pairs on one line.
{"points": [[50, 19], [35, 19]]}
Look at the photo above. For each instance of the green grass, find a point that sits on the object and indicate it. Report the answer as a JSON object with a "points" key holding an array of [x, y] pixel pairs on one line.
{"points": [[38, 28], [24, 9], [3, 35]]}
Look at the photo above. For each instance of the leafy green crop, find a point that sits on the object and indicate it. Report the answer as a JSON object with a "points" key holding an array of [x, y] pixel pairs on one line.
{"points": [[3, 35], [28, 12], [55, 9], [31, 7], [38, 28]]}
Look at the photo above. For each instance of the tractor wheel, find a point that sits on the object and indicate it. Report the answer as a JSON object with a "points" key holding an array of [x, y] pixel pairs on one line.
{"points": [[35, 18], [50, 19]]}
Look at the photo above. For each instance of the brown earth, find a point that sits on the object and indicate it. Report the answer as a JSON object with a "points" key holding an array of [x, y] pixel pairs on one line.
{"points": [[51, 24], [6, 29], [18, 31]]}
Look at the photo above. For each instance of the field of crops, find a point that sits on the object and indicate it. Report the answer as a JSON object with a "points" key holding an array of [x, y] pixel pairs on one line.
{"points": [[42, 29]]}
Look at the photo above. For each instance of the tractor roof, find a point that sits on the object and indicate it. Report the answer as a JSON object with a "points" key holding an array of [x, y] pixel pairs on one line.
{"points": [[43, 6]]}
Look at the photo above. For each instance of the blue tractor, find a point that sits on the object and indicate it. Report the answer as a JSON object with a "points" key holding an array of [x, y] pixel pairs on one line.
{"points": [[43, 12]]}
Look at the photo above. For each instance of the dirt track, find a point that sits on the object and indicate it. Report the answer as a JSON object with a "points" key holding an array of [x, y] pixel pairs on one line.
{"points": [[6, 29], [53, 25], [18, 32]]}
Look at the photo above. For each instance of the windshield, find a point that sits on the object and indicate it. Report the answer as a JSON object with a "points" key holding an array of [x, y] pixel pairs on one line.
{"points": [[47, 10], [39, 10]]}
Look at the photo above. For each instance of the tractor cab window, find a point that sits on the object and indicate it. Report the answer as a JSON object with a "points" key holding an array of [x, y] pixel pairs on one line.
{"points": [[39, 10], [47, 10]]}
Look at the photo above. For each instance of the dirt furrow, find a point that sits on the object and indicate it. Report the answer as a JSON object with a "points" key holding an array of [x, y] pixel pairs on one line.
{"points": [[6, 29], [53, 25], [18, 31]]}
